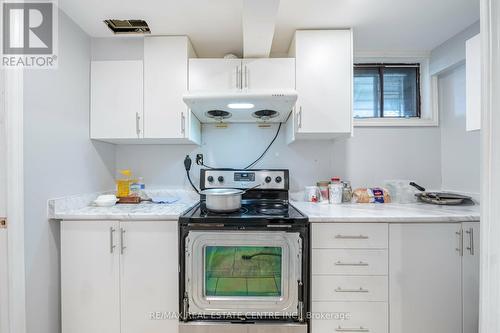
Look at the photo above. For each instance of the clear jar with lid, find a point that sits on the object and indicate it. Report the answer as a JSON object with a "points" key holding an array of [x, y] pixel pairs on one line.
{"points": [[346, 191], [335, 190]]}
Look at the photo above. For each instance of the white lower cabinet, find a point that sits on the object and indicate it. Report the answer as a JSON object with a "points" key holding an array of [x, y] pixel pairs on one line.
{"points": [[117, 276], [397, 278], [433, 284], [349, 277], [358, 317]]}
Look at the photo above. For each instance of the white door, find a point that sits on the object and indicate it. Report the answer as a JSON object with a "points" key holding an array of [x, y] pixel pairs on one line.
{"points": [[470, 277], [165, 82], [149, 277], [4, 301], [116, 109], [324, 67], [90, 286], [214, 74], [425, 278], [269, 73]]}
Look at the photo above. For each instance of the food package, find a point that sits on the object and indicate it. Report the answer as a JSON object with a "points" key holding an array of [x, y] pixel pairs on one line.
{"points": [[371, 195]]}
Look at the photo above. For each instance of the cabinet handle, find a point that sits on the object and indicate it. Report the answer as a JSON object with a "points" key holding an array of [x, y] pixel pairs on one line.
{"points": [[238, 77], [460, 248], [122, 246], [351, 237], [345, 329], [137, 125], [111, 240], [183, 123], [360, 290], [470, 232], [246, 77], [300, 117], [361, 263]]}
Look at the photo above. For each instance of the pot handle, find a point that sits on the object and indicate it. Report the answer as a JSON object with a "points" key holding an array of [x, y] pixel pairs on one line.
{"points": [[418, 187]]}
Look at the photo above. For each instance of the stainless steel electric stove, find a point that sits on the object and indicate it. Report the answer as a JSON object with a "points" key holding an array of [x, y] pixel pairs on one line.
{"points": [[247, 270]]}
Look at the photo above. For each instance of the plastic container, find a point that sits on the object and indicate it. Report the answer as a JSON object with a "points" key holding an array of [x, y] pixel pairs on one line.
{"points": [[323, 189], [123, 184], [335, 191], [137, 188], [312, 194]]}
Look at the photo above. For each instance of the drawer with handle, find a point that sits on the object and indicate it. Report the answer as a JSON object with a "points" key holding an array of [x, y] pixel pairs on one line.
{"points": [[349, 288], [349, 235], [349, 262], [349, 317]]}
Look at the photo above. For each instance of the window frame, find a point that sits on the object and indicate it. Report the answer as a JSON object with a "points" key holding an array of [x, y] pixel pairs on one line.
{"points": [[429, 91], [380, 67]]}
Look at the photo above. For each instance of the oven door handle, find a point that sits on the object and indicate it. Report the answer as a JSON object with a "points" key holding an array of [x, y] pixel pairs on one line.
{"points": [[354, 329]]}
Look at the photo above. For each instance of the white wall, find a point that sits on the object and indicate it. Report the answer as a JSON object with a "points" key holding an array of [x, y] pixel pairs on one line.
{"points": [[369, 158], [59, 160], [452, 52], [460, 149]]}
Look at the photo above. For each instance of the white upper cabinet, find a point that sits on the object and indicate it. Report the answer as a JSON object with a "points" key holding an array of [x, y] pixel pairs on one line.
{"points": [[166, 60], [241, 74], [214, 74], [116, 100], [473, 83], [268, 73], [324, 76]]}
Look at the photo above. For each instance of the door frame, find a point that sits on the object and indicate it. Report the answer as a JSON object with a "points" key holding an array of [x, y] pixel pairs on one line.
{"points": [[13, 103], [489, 321]]}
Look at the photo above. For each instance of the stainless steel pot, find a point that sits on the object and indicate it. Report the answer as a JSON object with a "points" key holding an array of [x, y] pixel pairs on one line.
{"points": [[223, 200]]}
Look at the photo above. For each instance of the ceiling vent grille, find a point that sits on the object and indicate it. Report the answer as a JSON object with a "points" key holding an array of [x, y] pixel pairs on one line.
{"points": [[128, 26]]}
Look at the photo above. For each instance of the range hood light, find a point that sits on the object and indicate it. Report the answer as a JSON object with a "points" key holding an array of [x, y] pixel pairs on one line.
{"points": [[240, 105]]}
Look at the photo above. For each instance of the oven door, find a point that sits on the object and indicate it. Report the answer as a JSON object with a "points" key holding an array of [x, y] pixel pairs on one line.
{"points": [[243, 274]]}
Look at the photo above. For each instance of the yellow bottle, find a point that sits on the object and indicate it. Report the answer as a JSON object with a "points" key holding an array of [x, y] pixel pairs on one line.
{"points": [[123, 184]]}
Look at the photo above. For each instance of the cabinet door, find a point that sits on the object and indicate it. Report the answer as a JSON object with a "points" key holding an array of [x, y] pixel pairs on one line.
{"points": [[149, 276], [214, 74], [90, 288], [165, 81], [324, 69], [470, 277], [425, 278], [269, 73], [116, 109]]}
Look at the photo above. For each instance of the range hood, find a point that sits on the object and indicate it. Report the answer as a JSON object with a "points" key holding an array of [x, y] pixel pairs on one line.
{"points": [[242, 106]]}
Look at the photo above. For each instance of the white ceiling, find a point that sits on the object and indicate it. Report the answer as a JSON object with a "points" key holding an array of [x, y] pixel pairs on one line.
{"points": [[215, 26]]}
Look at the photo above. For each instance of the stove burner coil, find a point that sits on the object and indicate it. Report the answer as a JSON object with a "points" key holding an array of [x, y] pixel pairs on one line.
{"points": [[265, 114]]}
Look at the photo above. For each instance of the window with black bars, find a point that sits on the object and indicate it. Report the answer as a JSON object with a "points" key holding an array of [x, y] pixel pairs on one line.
{"points": [[386, 91]]}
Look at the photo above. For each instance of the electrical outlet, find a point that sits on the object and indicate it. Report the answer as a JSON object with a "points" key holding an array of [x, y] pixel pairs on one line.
{"points": [[199, 159]]}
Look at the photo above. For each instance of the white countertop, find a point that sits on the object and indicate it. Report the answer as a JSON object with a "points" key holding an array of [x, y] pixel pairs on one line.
{"points": [[417, 212], [80, 208]]}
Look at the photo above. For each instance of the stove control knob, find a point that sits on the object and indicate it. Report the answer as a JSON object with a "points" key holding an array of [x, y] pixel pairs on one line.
{"points": [[278, 179], [268, 179], [220, 179], [210, 179]]}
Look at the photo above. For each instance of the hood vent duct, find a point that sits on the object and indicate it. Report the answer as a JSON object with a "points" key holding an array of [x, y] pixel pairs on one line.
{"points": [[265, 115], [219, 115], [128, 26]]}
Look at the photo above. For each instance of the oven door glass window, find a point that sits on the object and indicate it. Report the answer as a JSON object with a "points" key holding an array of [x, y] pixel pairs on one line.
{"points": [[247, 271], [243, 271]]}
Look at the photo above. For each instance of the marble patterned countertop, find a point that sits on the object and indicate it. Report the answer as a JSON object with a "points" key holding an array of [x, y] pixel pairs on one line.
{"points": [[80, 208], [392, 212]]}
